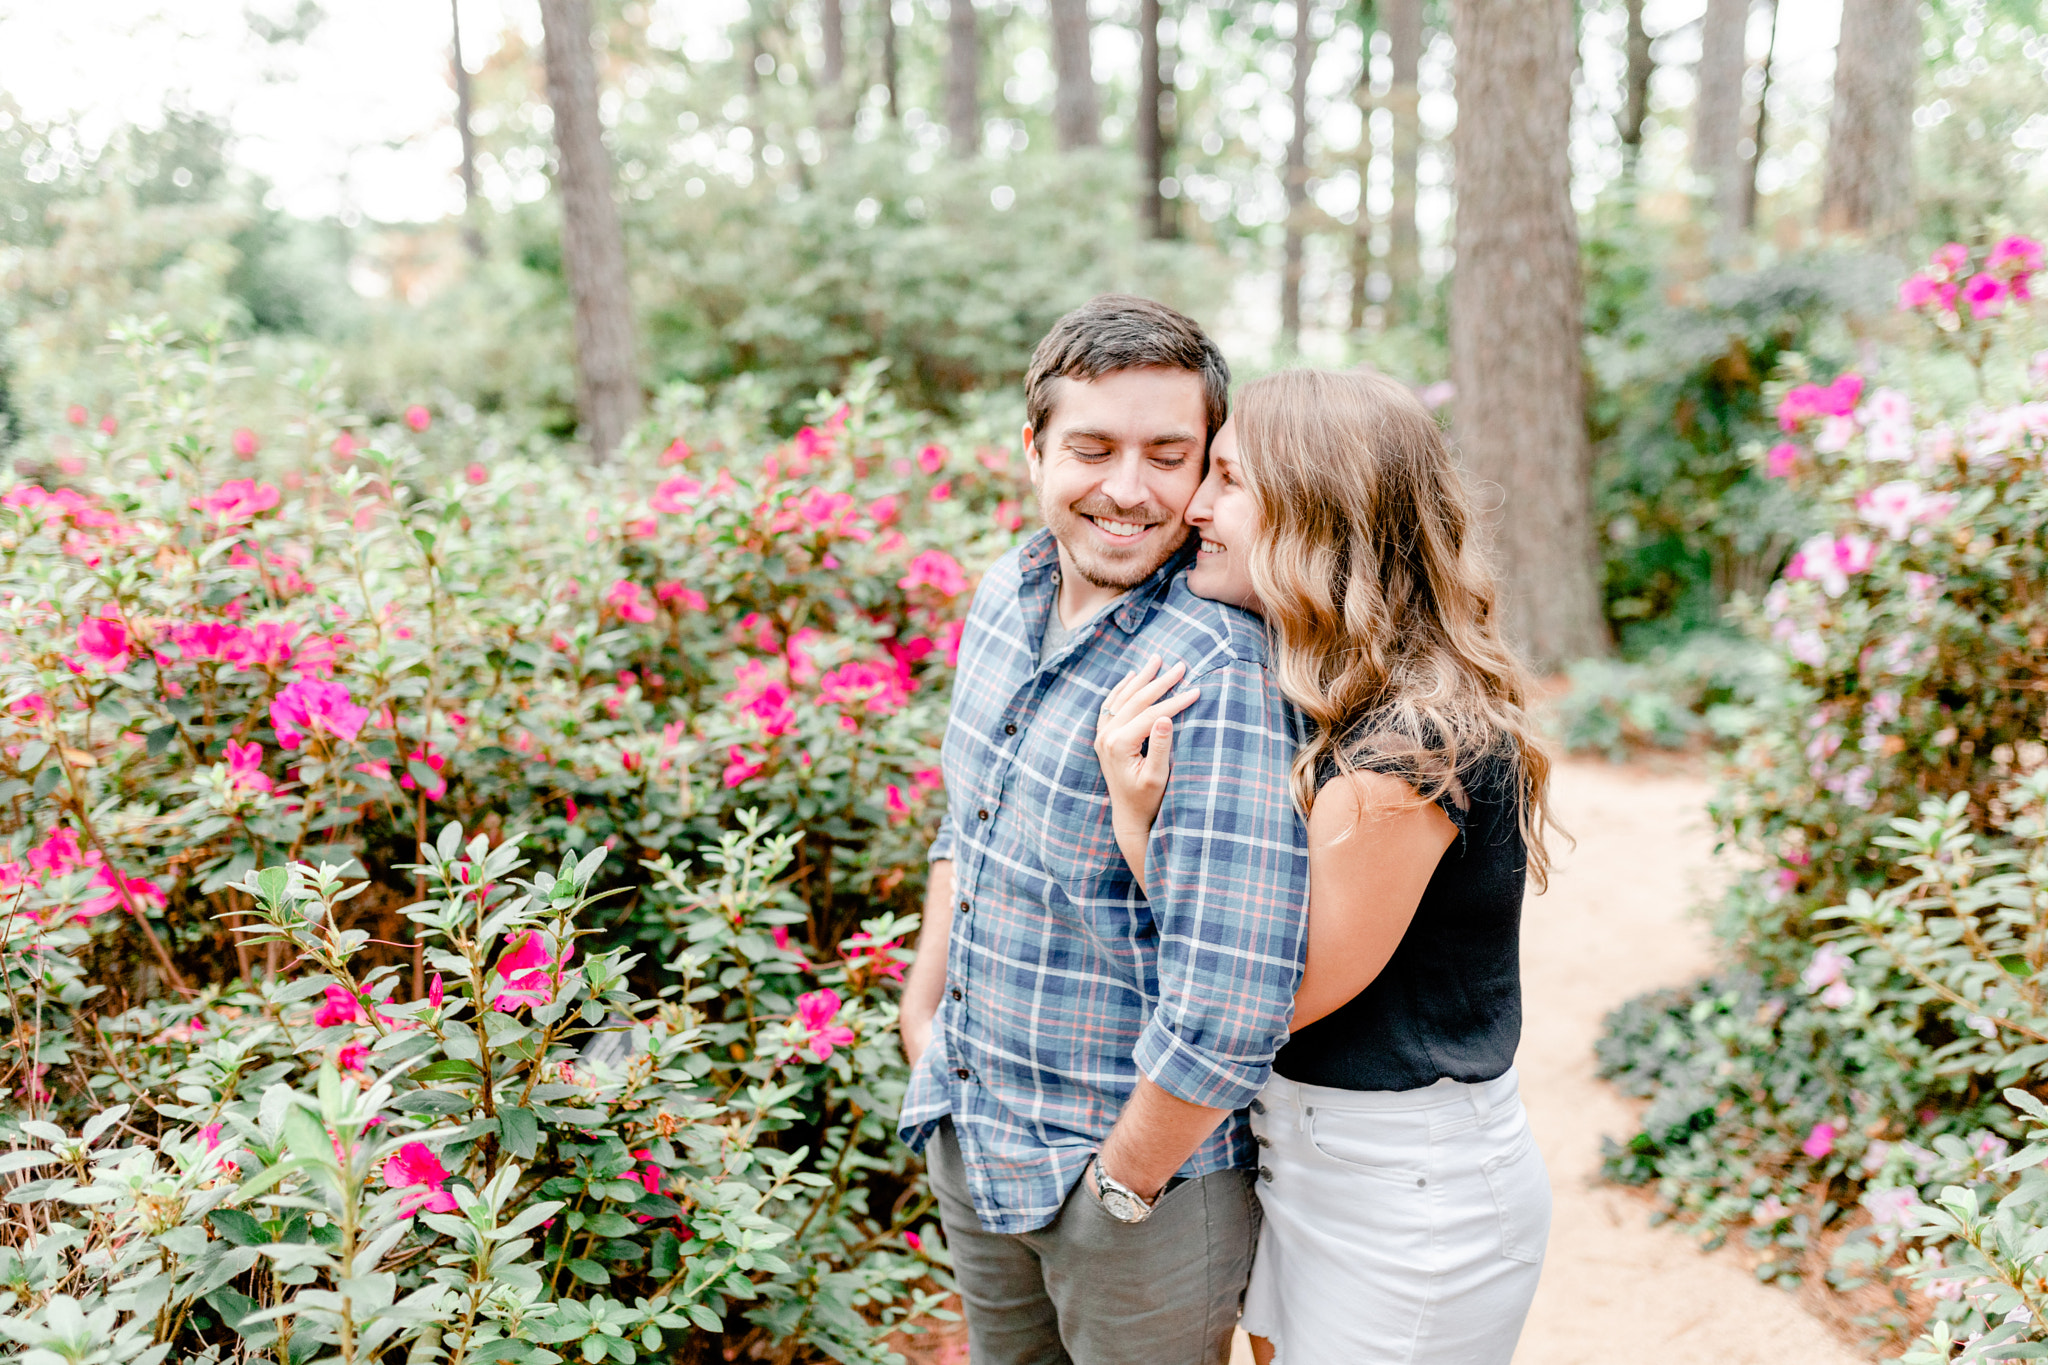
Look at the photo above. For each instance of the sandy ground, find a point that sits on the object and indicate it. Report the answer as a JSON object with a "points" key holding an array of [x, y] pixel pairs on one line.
{"points": [[1616, 922]]}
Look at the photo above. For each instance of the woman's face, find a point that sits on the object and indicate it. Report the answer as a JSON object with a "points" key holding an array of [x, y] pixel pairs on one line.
{"points": [[1226, 516]]}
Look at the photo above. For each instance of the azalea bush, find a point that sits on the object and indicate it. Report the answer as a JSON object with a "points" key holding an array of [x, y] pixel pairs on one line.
{"points": [[1885, 788], [249, 674]]}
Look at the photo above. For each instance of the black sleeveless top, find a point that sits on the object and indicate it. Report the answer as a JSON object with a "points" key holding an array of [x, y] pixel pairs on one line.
{"points": [[1449, 1001]]}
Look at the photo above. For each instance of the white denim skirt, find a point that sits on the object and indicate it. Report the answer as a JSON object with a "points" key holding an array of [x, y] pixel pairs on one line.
{"points": [[1401, 1227]]}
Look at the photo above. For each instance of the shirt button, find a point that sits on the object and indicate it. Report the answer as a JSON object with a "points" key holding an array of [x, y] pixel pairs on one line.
{"points": [[1258, 1107], [1266, 1174], [962, 1072], [956, 992], [983, 814], [1009, 729], [965, 908]]}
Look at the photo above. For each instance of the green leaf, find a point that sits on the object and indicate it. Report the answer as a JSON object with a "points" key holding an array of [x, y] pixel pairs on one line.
{"points": [[611, 1225], [161, 739], [273, 882], [432, 1102], [238, 1227], [705, 1318], [47, 780], [448, 1069], [520, 1129], [589, 1271]]}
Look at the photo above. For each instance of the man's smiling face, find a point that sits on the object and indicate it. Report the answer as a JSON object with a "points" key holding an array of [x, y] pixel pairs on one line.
{"points": [[1114, 469]]}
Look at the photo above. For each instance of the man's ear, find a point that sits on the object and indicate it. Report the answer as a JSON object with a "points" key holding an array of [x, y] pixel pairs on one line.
{"points": [[1031, 456]]}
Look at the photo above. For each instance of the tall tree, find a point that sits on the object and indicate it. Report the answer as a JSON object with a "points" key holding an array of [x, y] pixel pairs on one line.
{"points": [[1402, 20], [963, 77], [1717, 115], [1763, 123], [593, 248], [1635, 105], [1154, 91], [472, 236], [1076, 112], [1293, 263], [832, 109], [1867, 187], [1514, 326], [1361, 223], [885, 23]]}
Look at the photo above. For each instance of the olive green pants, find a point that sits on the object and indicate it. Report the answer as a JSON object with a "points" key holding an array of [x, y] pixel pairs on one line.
{"points": [[1089, 1290]]}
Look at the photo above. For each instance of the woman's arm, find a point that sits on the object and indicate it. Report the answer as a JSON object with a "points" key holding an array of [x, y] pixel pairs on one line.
{"points": [[1372, 848], [1134, 744]]}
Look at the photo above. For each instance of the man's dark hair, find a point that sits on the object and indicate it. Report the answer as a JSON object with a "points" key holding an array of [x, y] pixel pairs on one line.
{"points": [[1113, 332]]}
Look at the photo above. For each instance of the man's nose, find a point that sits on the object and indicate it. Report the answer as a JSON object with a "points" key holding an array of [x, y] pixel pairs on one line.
{"points": [[1125, 484]]}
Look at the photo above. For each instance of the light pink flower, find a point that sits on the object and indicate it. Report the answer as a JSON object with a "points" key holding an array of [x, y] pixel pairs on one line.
{"points": [[1825, 967], [675, 495], [2021, 255], [1918, 291], [1892, 1207], [1821, 1141], [418, 418], [244, 442], [935, 569], [1770, 1211], [624, 598], [932, 459], [415, 1169], [237, 501], [1779, 463], [688, 599], [1950, 258], [312, 707], [814, 1014]]}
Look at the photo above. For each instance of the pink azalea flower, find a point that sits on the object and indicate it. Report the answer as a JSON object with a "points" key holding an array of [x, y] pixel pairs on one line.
{"points": [[881, 689], [781, 936], [677, 452], [624, 598], [1986, 295], [932, 459], [874, 955], [688, 599], [814, 1014], [109, 425], [119, 893], [884, 510], [344, 445], [1009, 515], [352, 1056], [913, 1241], [529, 972], [237, 501], [418, 418], [1839, 398], [675, 495], [949, 636], [1770, 1211], [1918, 291], [742, 766], [245, 766], [338, 1007], [1951, 257], [244, 442], [935, 569], [942, 492], [434, 993], [475, 473], [105, 640], [898, 805], [2019, 254], [1821, 1141], [310, 707], [1894, 1206], [416, 1170], [1825, 968], [433, 762], [1781, 461], [77, 415]]}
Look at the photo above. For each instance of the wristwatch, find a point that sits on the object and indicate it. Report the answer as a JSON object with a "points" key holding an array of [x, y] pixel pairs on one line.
{"points": [[1118, 1200]]}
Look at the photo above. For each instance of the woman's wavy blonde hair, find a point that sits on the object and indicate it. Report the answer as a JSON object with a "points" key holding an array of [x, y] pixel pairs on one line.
{"points": [[1381, 606]]}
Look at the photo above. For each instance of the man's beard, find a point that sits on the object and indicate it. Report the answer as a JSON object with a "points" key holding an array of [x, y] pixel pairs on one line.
{"points": [[1070, 527]]}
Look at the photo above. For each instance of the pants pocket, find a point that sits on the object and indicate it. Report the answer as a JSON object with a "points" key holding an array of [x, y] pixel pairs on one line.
{"points": [[1521, 1195]]}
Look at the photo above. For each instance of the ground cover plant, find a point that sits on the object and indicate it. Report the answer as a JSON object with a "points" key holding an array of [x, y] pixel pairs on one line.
{"points": [[1859, 1094], [454, 899]]}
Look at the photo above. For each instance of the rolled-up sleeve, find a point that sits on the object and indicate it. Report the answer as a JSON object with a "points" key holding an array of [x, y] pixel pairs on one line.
{"points": [[942, 847], [1229, 860]]}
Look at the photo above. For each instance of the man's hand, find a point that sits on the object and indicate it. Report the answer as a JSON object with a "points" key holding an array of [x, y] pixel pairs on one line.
{"points": [[926, 982]]}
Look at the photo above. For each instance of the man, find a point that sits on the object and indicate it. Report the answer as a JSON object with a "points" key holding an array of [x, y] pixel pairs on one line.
{"points": [[1081, 1055]]}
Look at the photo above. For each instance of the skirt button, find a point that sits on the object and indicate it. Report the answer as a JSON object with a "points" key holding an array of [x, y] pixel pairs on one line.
{"points": [[1266, 1174], [1262, 1139], [1258, 1107]]}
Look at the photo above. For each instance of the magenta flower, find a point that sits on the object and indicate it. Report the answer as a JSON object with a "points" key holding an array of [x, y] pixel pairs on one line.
{"points": [[1781, 461], [675, 495], [416, 1170], [742, 766], [2020, 255], [530, 972], [935, 569], [624, 598], [814, 1014], [237, 501], [1986, 295], [1919, 291], [418, 418], [913, 1241], [104, 639], [245, 766], [689, 599], [1951, 258], [352, 1056], [1821, 1141], [339, 1007], [310, 707], [932, 459], [434, 994], [244, 442]]}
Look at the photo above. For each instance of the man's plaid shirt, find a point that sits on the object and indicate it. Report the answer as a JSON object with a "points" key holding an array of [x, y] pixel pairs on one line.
{"points": [[1063, 981]]}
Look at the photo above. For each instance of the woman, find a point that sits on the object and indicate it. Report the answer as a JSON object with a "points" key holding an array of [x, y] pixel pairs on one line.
{"points": [[1406, 1207]]}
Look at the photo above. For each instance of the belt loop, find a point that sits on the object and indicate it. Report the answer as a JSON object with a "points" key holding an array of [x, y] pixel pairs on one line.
{"points": [[1481, 1106]]}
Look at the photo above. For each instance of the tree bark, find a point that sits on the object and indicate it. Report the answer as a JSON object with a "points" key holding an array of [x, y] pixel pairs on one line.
{"points": [[1297, 181], [1076, 112], [1154, 213], [1514, 326], [963, 78], [1635, 106], [1402, 20], [1717, 116], [593, 248], [1868, 184], [885, 16], [832, 101], [1763, 124], [472, 236], [1361, 224]]}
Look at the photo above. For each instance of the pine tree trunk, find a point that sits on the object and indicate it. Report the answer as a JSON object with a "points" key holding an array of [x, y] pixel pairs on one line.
{"points": [[1636, 98], [1293, 263], [1763, 125], [1076, 113], [832, 102], [1514, 326], [1402, 20], [885, 22], [1868, 185], [593, 248], [1361, 224], [472, 236], [1155, 215], [963, 78], [1717, 116]]}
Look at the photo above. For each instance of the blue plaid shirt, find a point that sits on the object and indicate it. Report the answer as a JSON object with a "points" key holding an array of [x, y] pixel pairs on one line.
{"points": [[1063, 982]]}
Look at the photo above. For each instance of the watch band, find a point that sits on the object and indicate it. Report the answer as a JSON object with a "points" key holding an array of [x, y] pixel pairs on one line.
{"points": [[1118, 1200]]}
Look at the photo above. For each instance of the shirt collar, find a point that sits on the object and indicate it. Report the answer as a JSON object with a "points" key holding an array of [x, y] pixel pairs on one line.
{"points": [[1041, 555]]}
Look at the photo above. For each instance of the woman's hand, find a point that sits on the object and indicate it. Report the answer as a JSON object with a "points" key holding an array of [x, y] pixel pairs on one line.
{"points": [[1134, 744]]}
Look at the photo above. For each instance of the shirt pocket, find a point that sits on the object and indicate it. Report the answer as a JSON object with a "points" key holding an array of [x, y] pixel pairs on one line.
{"points": [[1073, 831]]}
